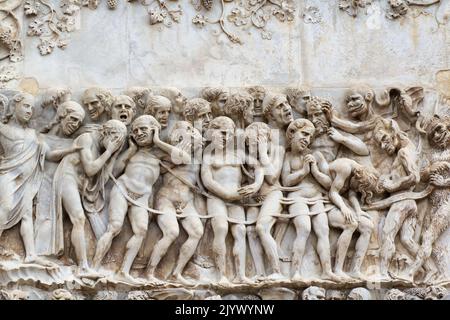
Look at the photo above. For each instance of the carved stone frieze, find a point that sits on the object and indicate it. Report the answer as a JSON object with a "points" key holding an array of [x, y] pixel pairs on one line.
{"points": [[264, 173]]}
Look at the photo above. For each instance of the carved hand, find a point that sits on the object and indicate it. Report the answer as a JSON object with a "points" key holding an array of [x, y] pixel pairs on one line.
{"points": [[335, 135], [328, 110], [114, 145], [248, 190], [132, 147], [438, 180], [349, 215]]}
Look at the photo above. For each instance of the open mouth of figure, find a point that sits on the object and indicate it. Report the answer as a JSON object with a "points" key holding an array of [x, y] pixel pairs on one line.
{"points": [[141, 138], [355, 108], [93, 113], [123, 117]]}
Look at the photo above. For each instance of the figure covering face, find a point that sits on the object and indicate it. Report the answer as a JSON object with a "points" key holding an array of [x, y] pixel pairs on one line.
{"points": [[79, 186]]}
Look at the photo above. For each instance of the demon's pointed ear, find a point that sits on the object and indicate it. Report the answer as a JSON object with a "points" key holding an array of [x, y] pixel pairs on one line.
{"points": [[369, 96]]}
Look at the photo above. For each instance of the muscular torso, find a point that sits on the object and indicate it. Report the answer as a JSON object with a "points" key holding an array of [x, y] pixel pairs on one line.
{"points": [[141, 172], [226, 170], [174, 189], [328, 147], [310, 188]]}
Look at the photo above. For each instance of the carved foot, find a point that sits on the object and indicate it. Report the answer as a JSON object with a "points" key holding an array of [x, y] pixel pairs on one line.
{"points": [[334, 277], [151, 280], [223, 281], [179, 278], [242, 280], [276, 276], [41, 261], [87, 272], [258, 278], [297, 277], [357, 275], [344, 277], [400, 278], [129, 279]]}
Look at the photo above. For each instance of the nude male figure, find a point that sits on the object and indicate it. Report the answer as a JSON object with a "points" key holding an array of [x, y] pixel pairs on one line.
{"points": [[177, 195], [221, 175], [300, 170], [79, 183], [348, 176], [132, 190]]}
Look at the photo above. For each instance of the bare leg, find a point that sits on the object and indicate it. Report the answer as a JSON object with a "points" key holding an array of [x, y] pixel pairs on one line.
{"points": [[118, 207], [365, 228], [72, 203], [239, 248], [169, 226], [439, 223], [139, 223], [27, 230], [219, 225], [303, 229], [254, 243], [322, 231], [407, 234], [264, 225], [194, 229], [392, 224], [338, 220]]}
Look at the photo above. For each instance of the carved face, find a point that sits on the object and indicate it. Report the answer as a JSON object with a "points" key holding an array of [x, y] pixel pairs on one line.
{"points": [[205, 116], [258, 98], [222, 99], [318, 118], [162, 113], [222, 131], [179, 99], [387, 141], [71, 123], [112, 133], [249, 113], [123, 112], [314, 293], [301, 139], [440, 134], [184, 131], [94, 106], [356, 105], [142, 132], [24, 110], [281, 113]]}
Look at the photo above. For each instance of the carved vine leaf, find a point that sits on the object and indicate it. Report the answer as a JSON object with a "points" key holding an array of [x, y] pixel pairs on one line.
{"points": [[31, 7], [161, 13], [312, 14], [54, 24]]}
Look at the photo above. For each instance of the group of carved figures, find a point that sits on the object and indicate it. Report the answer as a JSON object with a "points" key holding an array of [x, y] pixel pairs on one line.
{"points": [[238, 159]]}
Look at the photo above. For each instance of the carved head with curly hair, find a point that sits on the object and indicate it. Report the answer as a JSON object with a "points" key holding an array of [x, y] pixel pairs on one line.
{"points": [[299, 134], [217, 96], [221, 132], [159, 107], [239, 107], [198, 110], [277, 110], [97, 101]]}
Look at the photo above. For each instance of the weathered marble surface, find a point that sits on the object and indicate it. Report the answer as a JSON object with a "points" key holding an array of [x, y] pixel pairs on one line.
{"points": [[118, 49]]}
